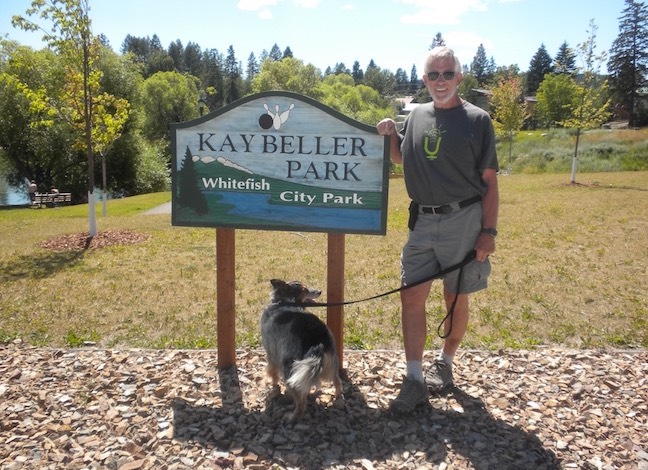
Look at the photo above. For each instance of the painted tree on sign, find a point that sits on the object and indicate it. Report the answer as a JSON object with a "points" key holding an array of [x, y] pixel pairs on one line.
{"points": [[189, 195]]}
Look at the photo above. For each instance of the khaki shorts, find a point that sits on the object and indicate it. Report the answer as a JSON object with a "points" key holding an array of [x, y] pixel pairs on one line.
{"points": [[440, 241]]}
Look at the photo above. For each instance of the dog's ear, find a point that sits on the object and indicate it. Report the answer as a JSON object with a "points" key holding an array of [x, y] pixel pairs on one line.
{"points": [[277, 283]]}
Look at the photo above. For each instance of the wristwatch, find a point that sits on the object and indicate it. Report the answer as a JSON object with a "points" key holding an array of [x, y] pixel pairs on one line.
{"points": [[490, 231]]}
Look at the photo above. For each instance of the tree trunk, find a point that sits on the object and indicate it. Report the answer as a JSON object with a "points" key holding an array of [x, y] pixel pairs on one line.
{"points": [[573, 171], [87, 111]]}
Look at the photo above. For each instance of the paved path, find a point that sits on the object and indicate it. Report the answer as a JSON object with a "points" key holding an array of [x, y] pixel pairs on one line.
{"points": [[162, 209]]}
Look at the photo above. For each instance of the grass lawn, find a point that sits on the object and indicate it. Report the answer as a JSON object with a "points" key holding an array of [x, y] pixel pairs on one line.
{"points": [[570, 269]]}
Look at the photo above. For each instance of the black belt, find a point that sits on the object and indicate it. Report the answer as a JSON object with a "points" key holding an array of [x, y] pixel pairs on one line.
{"points": [[448, 208]]}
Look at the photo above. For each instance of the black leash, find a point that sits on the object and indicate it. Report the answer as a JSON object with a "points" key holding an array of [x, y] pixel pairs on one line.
{"points": [[469, 257]]}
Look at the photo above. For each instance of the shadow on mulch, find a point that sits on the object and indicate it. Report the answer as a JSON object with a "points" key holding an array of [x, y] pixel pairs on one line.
{"points": [[329, 436]]}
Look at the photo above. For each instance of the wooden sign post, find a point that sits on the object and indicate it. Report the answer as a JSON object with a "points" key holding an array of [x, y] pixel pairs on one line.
{"points": [[225, 298], [335, 290]]}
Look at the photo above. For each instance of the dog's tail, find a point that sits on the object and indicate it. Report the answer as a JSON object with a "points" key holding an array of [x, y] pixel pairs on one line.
{"points": [[305, 372]]}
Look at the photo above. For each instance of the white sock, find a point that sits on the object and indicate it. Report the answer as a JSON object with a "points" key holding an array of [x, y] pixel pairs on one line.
{"points": [[415, 370], [447, 358]]}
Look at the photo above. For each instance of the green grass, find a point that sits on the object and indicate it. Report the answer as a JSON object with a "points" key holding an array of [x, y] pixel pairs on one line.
{"points": [[552, 151], [570, 269]]}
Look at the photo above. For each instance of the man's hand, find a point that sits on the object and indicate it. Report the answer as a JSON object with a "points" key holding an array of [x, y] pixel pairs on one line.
{"points": [[386, 127], [485, 246]]}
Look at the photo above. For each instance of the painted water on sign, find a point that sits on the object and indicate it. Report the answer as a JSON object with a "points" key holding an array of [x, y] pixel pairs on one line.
{"points": [[258, 206]]}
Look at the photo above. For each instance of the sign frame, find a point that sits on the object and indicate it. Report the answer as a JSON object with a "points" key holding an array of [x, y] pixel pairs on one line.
{"points": [[343, 164]]}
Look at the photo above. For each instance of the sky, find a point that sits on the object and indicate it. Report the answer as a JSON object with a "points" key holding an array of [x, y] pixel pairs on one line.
{"points": [[394, 33]]}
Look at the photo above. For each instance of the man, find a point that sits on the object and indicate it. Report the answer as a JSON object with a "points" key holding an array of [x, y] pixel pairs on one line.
{"points": [[33, 188], [447, 148]]}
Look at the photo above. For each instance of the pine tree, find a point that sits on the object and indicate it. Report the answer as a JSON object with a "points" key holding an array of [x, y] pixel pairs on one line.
{"points": [[565, 61], [176, 51], [414, 81], [357, 73], [252, 67], [540, 66], [479, 66], [628, 63], [437, 41], [275, 53], [233, 80]]}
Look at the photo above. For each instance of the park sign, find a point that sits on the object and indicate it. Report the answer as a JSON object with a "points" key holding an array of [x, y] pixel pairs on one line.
{"points": [[279, 161]]}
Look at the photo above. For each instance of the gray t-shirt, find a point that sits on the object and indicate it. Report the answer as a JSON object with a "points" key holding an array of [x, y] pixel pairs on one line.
{"points": [[444, 152]]}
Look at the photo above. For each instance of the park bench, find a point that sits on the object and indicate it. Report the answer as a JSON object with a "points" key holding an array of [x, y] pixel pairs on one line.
{"points": [[51, 200]]}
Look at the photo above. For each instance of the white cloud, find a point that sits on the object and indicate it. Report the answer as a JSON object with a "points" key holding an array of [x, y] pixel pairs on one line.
{"points": [[307, 3], [435, 12], [255, 5], [265, 14], [348, 7], [262, 7]]}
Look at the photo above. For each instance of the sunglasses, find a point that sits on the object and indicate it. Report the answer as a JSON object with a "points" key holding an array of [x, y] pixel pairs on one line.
{"points": [[446, 75]]}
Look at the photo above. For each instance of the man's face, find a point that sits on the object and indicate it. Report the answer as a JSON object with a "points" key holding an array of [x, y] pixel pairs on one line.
{"points": [[443, 90]]}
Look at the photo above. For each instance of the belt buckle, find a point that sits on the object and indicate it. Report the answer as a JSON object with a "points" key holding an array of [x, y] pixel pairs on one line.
{"points": [[443, 210]]}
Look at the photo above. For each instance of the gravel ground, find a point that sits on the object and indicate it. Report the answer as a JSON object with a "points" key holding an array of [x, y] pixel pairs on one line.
{"points": [[172, 409]]}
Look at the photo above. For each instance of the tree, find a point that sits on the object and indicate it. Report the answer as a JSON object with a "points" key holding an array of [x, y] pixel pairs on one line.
{"points": [[148, 53], [383, 81], [557, 98], [506, 72], [176, 52], [252, 67], [592, 106], [233, 79], [289, 74], [213, 79], [35, 144], [193, 59], [287, 52], [275, 53], [509, 110], [628, 64], [437, 41], [467, 88], [357, 101], [565, 60], [38, 141], [402, 81], [71, 36], [341, 68], [357, 73], [168, 97], [479, 66], [539, 67], [415, 81]]}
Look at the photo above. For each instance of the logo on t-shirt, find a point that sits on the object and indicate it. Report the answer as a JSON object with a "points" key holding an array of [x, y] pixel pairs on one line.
{"points": [[432, 143]]}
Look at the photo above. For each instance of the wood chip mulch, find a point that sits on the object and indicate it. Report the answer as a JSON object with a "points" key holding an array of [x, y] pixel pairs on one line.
{"points": [[83, 241], [173, 409]]}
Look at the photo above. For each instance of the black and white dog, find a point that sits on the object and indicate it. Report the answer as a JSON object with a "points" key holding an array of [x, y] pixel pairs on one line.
{"points": [[300, 347]]}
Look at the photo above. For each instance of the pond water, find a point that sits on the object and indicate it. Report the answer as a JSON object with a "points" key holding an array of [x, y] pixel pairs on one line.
{"points": [[12, 196]]}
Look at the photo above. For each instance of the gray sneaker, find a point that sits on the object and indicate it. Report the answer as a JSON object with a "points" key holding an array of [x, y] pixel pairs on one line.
{"points": [[439, 377], [412, 394]]}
